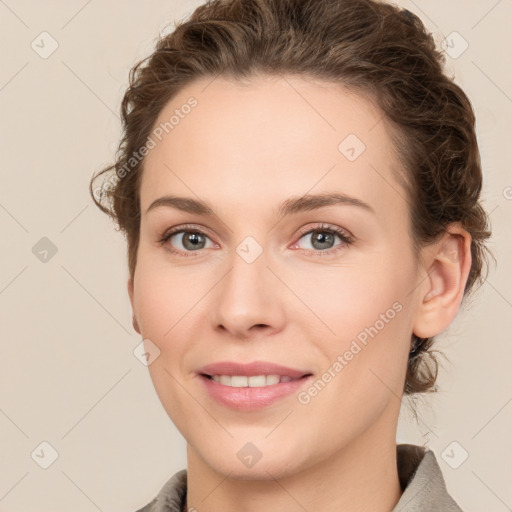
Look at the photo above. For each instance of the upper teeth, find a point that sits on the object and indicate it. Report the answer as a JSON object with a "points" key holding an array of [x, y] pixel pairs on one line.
{"points": [[254, 381]]}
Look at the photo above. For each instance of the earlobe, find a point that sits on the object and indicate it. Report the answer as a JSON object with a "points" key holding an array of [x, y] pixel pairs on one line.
{"points": [[448, 266], [130, 286]]}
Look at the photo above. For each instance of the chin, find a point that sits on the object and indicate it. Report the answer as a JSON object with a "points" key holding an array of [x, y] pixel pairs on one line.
{"points": [[262, 470], [254, 461]]}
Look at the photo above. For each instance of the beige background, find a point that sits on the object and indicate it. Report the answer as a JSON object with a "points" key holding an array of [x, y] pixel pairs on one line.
{"points": [[68, 374]]}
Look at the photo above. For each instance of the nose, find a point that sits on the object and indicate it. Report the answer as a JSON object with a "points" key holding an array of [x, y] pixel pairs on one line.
{"points": [[249, 300]]}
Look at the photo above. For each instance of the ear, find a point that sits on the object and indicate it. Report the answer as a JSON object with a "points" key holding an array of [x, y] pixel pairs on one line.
{"points": [[448, 262], [130, 294]]}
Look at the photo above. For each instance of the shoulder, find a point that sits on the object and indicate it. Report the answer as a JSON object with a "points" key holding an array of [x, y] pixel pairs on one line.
{"points": [[171, 497], [423, 485]]}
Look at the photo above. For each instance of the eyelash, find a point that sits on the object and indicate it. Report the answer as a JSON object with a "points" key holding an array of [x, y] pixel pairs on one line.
{"points": [[345, 237]]}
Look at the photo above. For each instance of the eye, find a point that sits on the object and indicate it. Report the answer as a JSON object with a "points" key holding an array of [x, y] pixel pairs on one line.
{"points": [[186, 239], [322, 238]]}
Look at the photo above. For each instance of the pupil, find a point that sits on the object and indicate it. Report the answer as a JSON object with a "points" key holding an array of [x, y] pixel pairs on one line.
{"points": [[193, 239], [323, 238]]}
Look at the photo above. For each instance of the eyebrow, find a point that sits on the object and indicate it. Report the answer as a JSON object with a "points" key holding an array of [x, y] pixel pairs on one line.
{"points": [[293, 205]]}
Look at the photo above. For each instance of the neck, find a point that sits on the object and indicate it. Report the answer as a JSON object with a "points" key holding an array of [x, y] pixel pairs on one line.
{"points": [[361, 476]]}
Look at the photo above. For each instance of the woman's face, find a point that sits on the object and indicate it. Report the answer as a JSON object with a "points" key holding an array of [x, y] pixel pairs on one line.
{"points": [[267, 278]]}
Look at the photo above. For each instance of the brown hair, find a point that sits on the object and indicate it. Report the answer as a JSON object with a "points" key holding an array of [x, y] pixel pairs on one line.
{"points": [[368, 46]]}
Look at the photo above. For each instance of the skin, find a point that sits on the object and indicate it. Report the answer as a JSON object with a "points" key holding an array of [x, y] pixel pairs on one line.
{"points": [[245, 149]]}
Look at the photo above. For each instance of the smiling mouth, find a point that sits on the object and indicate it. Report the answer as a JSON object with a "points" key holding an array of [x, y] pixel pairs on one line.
{"points": [[252, 381]]}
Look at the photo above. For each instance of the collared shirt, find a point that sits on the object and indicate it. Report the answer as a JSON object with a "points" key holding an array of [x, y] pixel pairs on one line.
{"points": [[421, 480]]}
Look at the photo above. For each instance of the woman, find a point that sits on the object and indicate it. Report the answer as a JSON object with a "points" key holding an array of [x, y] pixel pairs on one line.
{"points": [[299, 185]]}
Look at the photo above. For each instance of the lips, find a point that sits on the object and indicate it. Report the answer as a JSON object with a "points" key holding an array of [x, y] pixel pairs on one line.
{"points": [[252, 369], [239, 386]]}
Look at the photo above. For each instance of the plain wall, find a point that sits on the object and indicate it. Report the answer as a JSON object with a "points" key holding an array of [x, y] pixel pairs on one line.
{"points": [[68, 373]]}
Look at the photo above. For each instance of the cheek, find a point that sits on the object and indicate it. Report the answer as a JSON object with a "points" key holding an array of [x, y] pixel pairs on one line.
{"points": [[365, 359], [368, 318], [349, 299], [165, 302], [165, 297]]}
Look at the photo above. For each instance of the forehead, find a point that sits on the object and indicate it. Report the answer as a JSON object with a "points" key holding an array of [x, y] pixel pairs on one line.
{"points": [[266, 139]]}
